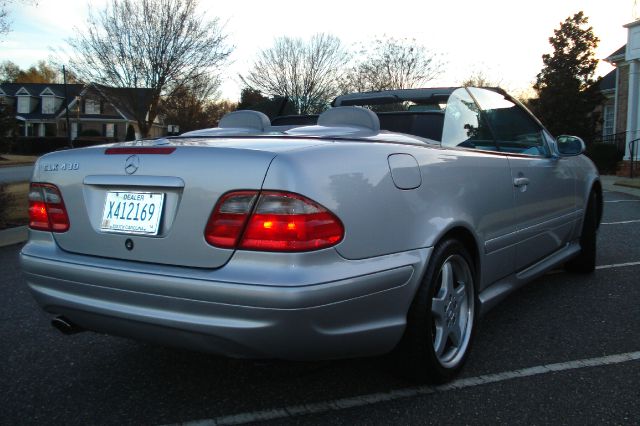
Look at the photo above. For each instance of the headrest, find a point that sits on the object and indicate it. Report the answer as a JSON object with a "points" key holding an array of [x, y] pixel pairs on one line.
{"points": [[245, 119], [350, 116]]}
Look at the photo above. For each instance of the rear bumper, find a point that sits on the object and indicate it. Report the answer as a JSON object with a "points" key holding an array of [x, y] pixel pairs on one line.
{"points": [[290, 306]]}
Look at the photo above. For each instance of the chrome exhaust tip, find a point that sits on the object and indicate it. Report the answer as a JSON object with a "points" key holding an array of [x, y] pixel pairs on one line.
{"points": [[65, 326]]}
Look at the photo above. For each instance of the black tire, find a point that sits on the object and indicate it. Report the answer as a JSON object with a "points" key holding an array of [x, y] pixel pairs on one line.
{"points": [[417, 350], [585, 262]]}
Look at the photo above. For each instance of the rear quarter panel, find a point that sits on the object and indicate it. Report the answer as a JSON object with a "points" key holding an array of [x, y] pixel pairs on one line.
{"points": [[459, 188]]}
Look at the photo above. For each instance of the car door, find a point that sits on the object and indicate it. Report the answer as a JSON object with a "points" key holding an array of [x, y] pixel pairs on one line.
{"points": [[543, 184], [465, 129]]}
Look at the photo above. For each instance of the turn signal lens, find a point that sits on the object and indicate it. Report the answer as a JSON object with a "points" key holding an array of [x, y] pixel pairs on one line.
{"points": [[280, 221], [46, 208]]}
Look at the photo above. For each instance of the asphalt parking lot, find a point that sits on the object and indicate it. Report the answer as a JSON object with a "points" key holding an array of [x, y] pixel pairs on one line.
{"points": [[563, 350]]}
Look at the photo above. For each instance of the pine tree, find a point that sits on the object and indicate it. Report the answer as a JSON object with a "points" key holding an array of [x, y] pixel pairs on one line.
{"points": [[567, 91]]}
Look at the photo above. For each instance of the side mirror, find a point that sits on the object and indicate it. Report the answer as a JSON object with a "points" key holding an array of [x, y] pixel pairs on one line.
{"points": [[570, 145]]}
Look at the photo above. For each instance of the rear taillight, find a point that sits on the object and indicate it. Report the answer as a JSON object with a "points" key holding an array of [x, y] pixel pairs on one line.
{"points": [[229, 218], [280, 221], [46, 208]]}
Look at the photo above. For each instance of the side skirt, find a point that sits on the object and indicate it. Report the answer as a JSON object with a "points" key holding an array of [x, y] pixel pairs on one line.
{"points": [[499, 290]]}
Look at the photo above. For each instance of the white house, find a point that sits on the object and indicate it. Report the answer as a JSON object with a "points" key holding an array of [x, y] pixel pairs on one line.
{"points": [[624, 118]]}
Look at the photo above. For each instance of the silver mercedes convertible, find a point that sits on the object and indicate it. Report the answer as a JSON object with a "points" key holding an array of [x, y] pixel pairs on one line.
{"points": [[389, 223]]}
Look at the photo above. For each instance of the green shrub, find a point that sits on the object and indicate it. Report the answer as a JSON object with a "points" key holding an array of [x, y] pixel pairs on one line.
{"points": [[90, 132], [131, 133], [84, 141], [605, 156], [6, 145], [38, 145]]}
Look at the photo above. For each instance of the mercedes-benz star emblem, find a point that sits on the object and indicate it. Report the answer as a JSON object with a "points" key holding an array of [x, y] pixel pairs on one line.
{"points": [[132, 164]]}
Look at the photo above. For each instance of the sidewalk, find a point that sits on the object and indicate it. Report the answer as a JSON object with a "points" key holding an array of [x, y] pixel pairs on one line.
{"points": [[13, 236], [620, 184]]}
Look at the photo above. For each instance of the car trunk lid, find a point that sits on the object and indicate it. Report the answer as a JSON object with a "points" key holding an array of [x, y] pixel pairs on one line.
{"points": [[189, 179]]}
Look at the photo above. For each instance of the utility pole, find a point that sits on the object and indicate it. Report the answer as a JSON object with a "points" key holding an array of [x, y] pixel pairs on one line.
{"points": [[66, 106]]}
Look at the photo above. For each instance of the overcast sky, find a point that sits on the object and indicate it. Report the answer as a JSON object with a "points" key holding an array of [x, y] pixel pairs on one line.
{"points": [[503, 38]]}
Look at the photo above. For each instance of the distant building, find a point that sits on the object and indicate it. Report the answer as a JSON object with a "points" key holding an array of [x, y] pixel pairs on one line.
{"points": [[621, 113], [607, 131], [94, 110]]}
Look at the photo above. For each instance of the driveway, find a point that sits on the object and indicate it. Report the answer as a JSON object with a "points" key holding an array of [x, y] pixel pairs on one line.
{"points": [[562, 350]]}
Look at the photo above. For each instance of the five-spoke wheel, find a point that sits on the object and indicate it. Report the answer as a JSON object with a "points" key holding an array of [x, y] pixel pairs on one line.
{"points": [[442, 317], [452, 310]]}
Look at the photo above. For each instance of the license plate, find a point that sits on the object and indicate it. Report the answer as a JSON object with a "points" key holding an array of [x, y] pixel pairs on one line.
{"points": [[132, 212]]}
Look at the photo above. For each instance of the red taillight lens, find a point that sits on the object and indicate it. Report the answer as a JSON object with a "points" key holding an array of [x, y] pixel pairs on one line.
{"points": [[281, 221], [229, 218], [290, 222], [46, 208]]}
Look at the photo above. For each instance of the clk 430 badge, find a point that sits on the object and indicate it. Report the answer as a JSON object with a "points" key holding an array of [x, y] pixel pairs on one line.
{"points": [[57, 167]]}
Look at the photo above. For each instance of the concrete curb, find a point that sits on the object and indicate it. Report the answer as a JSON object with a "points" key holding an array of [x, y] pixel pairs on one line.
{"points": [[613, 183], [12, 236]]}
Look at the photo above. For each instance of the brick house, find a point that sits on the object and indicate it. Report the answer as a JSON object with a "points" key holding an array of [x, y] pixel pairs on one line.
{"points": [[94, 110], [621, 87]]}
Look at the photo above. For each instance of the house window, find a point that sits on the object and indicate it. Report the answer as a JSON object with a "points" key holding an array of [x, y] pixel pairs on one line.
{"points": [[110, 130], [24, 106], [91, 106], [48, 104], [607, 125]]}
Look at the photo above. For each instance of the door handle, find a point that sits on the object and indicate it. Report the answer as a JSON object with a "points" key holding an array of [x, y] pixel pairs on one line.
{"points": [[520, 181]]}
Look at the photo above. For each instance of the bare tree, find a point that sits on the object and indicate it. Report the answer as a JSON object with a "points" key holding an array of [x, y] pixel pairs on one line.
{"points": [[195, 104], [41, 72], [9, 72], [5, 23], [4, 18], [155, 44], [480, 79], [391, 63], [306, 72]]}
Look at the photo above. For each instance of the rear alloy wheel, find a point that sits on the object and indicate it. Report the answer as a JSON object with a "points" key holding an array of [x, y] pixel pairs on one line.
{"points": [[585, 262], [452, 309], [442, 317]]}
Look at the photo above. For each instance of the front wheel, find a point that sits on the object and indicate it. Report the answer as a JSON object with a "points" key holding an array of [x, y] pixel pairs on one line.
{"points": [[442, 317]]}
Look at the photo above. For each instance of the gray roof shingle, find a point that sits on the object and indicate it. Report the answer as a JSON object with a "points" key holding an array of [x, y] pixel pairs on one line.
{"points": [[608, 82]]}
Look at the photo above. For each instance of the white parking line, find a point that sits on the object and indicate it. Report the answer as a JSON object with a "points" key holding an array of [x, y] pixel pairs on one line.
{"points": [[621, 222], [618, 265], [375, 398], [623, 201]]}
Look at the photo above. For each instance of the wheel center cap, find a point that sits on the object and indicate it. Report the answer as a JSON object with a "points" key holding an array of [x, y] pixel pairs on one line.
{"points": [[450, 310]]}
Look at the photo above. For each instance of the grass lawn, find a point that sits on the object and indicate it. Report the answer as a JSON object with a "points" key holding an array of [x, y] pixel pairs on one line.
{"points": [[14, 204]]}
